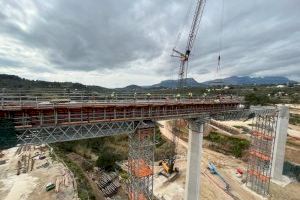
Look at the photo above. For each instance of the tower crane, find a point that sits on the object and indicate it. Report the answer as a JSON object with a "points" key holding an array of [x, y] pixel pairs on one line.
{"points": [[184, 57], [168, 164]]}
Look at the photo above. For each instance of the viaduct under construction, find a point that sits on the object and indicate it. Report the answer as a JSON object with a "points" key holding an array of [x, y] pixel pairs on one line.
{"points": [[43, 119], [40, 118]]}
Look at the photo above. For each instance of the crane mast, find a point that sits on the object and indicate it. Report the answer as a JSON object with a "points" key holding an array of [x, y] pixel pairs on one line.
{"points": [[184, 57]]}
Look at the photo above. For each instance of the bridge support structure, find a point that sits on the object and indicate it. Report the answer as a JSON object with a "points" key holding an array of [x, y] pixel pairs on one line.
{"points": [[192, 184], [141, 162], [280, 142], [261, 153]]}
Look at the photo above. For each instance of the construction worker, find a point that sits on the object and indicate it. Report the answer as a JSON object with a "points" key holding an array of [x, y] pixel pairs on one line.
{"points": [[178, 96], [148, 96], [112, 95]]}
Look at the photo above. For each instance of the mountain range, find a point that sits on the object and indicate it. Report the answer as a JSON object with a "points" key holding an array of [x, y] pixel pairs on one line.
{"points": [[12, 81], [233, 80]]}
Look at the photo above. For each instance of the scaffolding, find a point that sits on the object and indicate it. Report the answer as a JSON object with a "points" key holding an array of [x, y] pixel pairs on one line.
{"points": [[261, 153], [141, 162]]}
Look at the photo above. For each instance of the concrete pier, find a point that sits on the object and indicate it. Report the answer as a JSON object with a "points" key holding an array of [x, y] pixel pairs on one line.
{"points": [[279, 143], [192, 184]]}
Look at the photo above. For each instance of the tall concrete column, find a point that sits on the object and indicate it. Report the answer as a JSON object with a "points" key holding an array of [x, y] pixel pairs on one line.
{"points": [[279, 143], [192, 183]]}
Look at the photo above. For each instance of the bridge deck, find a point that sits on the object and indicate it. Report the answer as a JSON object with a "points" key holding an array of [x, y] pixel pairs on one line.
{"points": [[32, 114]]}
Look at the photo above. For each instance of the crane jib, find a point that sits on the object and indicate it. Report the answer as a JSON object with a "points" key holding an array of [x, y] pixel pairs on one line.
{"points": [[184, 57]]}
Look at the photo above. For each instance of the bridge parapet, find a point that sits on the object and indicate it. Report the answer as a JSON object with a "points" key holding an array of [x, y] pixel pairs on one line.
{"points": [[63, 114], [28, 111]]}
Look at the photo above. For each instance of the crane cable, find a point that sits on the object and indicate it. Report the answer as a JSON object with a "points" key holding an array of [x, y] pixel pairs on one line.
{"points": [[220, 38], [181, 29], [185, 20]]}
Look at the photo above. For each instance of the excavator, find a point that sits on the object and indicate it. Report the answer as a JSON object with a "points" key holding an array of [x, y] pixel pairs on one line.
{"points": [[168, 164], [169, 171]]}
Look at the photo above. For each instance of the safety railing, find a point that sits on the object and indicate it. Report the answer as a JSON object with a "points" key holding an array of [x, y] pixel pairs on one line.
{"points": [[79, 116], [8, 101]]}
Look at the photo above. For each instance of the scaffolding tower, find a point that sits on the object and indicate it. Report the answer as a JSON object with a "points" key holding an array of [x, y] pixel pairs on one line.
{"points": [[141, 162], [261, 153]]}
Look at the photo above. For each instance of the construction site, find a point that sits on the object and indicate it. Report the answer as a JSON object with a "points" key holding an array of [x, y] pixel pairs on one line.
{"points": [[195, 165], [155, 144], [28, 172]]}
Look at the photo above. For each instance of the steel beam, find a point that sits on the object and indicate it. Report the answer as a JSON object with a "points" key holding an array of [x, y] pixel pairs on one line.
{"points": [[53, 134]]}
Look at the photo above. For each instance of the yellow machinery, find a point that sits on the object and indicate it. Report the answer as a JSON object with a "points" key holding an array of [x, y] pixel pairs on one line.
{"points": [[169, 171]]}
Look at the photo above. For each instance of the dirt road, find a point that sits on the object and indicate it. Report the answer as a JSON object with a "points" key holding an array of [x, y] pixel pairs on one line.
{"points": [[212, 187]]}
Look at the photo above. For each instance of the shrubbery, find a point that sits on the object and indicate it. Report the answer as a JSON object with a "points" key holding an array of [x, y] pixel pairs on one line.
{"points": [[257, 99], [8, 136], [231, 145], [107, 159], [294, 119], [83, 187]]}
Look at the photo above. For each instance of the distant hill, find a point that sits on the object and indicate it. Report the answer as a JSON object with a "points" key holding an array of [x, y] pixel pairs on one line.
{"points": [[15, 82], [246, 80], [190, 82], [131, 88]]}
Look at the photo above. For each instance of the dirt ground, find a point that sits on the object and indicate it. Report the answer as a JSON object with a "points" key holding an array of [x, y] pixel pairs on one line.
{"points": [[212, 188], [31, 185], [292, 150]]}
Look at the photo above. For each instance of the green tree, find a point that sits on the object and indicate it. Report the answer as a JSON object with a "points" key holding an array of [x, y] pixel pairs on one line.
{"points": [[107, 159], [8, 134], [257, 99]]}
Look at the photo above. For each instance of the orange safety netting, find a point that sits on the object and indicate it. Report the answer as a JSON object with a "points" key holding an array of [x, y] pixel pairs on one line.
{"points": [[264, 136], [140, 196], [258, 175], [260, 155], [139, 168]]}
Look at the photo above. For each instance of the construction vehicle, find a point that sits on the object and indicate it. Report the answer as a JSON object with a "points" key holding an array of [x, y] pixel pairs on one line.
{"points": [[50, 186], [169, 171], [213, 169]]}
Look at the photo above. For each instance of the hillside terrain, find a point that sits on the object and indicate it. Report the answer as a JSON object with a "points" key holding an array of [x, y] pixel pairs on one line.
{"points": [[15, 82]]}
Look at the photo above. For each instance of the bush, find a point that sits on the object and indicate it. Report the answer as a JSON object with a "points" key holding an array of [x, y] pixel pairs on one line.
{"points": [[257, 99], [8, 136], [107, 159], [83, 187], [231, 145], [294, 119]]}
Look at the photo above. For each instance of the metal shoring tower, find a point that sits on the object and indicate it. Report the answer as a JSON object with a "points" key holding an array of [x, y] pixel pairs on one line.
{"points": [[261, 153], [141, 162]]}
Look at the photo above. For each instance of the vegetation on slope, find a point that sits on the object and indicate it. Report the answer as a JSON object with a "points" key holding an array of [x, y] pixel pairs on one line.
{"points": [[108, 150], [294, 119], [8, 137], [84, 189], [257, 99], [15, 82], [228, 145]]}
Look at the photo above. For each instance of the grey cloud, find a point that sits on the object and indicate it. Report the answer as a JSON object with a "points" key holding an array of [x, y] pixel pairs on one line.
{"points": [[98, 34], [258, 36]]}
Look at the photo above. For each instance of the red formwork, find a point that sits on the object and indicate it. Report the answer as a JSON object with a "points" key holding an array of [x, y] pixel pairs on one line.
{"points": [[64, 113]]}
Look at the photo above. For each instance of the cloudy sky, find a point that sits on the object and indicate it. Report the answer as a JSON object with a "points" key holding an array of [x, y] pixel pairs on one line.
{"points": [[114, 43]]}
